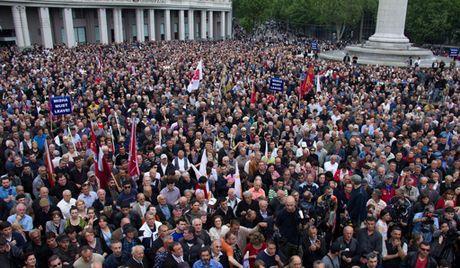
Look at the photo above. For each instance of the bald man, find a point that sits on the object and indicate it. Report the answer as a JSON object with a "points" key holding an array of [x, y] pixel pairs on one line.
{"points": [[287, 221]]}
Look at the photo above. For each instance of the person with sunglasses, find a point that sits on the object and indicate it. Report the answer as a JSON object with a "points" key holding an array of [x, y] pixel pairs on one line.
{"points": [[420, 259], [128, 194]]}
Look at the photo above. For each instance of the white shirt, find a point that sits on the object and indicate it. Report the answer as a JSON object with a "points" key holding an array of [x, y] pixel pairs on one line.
{"points": [[328, 166], [65, 207]]}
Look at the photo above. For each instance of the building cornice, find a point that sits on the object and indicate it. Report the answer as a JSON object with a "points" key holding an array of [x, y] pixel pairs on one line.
{"points": [[217, 5]]}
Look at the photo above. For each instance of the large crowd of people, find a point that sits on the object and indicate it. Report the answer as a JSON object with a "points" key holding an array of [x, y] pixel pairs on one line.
{"points": [[360, 171]]}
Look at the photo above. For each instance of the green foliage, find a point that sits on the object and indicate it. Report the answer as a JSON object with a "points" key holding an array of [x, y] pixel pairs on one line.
{"points": [[428, 21], [434, 22]]}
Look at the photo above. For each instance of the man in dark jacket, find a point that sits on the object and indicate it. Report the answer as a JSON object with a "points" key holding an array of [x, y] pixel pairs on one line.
{"points": [[115, 259], [422, 258], [191, 245], [369, 240], [175, 257], [357, 205]]}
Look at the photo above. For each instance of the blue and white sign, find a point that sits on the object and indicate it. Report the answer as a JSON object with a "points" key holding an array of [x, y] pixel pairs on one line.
{"points": [[314, 45], [276, 84], [453, 52], [61, 105]]}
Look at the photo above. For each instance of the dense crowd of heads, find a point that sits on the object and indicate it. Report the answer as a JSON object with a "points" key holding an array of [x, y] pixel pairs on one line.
{"points": [[363, 170]]}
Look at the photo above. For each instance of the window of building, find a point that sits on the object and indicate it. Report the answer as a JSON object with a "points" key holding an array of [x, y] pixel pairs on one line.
{"points": [[96, 34], [80, 35]]}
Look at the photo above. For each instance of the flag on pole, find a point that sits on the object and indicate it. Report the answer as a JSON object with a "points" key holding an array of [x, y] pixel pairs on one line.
{"points": [[197, 76], [318, 83], [238, 188], [69, 135], [202, 171], [307, 83], [102, 169], [133, 165], [49, 165], [113, 140], [253, 93]]}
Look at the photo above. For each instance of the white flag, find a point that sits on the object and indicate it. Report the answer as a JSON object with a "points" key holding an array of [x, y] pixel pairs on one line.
{"points": [[197, 76], [237, 180], [318, 83]]}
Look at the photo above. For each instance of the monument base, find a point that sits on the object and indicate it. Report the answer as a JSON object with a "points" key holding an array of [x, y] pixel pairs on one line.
{"points": [[384, 53]]}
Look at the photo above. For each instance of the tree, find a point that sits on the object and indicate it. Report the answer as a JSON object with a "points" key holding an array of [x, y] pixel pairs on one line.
{"points": [[434, 22], [340, 13]]}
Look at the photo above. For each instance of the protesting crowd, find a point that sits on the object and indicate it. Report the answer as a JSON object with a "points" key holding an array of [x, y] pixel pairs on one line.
{"points": [[161, 163]]}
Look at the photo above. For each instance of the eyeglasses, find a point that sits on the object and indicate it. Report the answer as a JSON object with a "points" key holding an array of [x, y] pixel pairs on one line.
{"points": [[425, 249]]}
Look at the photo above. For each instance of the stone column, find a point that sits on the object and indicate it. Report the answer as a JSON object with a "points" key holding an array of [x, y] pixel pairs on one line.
{"points": [[167, 24], [68, 27], [45, 27], [211, 25], [191, 28], [152, 24], [181, 25], [203, 24], [391, 20], [18, 26], [229, 24], [222, 24], [102, 21], [117, 25], [140, 24], [25, 26]]}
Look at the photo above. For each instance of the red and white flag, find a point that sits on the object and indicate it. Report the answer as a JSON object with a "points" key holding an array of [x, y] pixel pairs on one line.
{"points": [[197, 76], [49, 165], [133, 165]]}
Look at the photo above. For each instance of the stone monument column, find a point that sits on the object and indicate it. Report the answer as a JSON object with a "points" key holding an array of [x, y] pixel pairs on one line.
{"points": [[391, 20]]}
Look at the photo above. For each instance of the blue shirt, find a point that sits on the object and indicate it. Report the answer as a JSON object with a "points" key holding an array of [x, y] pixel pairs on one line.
{"points": [[26, 222], [5, 192], [212, 264]]}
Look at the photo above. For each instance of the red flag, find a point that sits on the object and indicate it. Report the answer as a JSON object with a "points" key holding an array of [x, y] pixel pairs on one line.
{"points": [[307, 83], [133, 165], [102, 169], [49, 165], [253, 94]]}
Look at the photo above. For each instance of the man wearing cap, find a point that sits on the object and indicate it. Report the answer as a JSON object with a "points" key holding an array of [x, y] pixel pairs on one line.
{"points": [[165, 167]]}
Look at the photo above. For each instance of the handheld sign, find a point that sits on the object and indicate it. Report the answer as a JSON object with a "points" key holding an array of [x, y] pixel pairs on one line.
{"points": [[276, 84], [314, 45], [61, 105], [454, 52]]}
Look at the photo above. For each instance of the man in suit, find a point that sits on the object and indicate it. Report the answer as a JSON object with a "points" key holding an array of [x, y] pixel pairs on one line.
{"points": [[164, 210], [141, 205], [175, 256], [138, 259]]}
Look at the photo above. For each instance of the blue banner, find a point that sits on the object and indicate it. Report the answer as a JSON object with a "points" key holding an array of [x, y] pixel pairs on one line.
{"points": [[453, 52], [276, 84], [61, 105], [314, 45]]}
